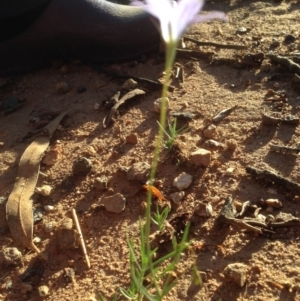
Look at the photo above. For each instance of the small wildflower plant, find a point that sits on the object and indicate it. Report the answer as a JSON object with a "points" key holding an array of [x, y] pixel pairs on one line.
{"points": [[172, 133], [159, 217], [173, 19]]}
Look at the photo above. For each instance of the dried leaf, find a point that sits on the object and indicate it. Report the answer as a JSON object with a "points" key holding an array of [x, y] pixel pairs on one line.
{"points": [[123, 100], [224, 113], [19, 205]]}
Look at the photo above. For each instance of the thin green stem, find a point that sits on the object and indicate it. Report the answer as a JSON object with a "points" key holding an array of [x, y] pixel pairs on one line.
{"points": [[170, 57]]}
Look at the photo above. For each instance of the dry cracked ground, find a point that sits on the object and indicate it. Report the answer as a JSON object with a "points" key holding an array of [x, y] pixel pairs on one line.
{"points": [[243, 198]]}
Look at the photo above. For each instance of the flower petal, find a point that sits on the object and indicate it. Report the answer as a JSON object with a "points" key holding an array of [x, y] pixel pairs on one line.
{"points": [[159, 9], [185, 4], [175, 17], [184, 15]]}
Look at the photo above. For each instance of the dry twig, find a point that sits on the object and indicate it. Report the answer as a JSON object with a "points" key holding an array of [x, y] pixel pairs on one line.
{"points": [[81, 241], [262, 174], [285, 62], [215, 44]]}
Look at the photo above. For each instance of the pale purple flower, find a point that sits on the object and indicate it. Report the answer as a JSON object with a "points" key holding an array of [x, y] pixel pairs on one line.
{"points": [[175, 17]]}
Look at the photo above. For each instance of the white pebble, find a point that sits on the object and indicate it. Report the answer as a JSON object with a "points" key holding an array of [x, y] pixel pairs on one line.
{"points": [[229, 171], [183, 181], [45, 190], [49, 208], [36, 240], [158, 104], [43, 291]]}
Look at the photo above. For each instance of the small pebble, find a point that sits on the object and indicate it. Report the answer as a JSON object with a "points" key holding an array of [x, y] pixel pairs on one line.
{"points": [[248, 82], [52, 156], [158, 103], [229, 171], [69, 274], [67, 238], [185, 105], [139, 172], [275, 43], [289, 39], [177, 197], [11, 256], [37, 214], [45, 190], [201, 157], [237, 273], [242, 30], [115, 203], [101, 183], [49, 208], [8, 284], [213, 145], [81, 166], [275, 203], [210, 131], [36, 240], [216, 164], [130, 84], [296, 198], [3, 199], [67, 223], [62, 87], [215, 200], [269, 218], [132, 138], [183, 181], [204, 210], [43, 291], [231, 145]]}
